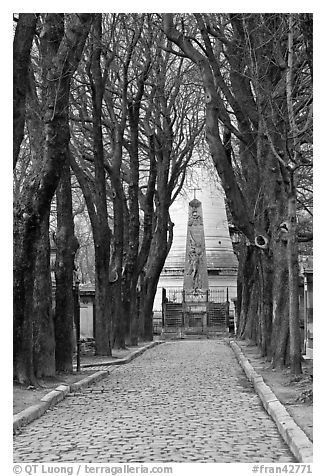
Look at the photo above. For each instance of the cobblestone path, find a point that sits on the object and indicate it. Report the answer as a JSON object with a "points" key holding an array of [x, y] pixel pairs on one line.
{"points": [[185, 401]]}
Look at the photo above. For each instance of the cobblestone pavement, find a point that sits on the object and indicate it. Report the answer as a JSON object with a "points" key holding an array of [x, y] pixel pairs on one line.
{"points": [[184, 401]]}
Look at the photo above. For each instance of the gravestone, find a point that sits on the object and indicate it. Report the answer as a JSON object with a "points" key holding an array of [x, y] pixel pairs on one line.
{"points": [[195, 283]]}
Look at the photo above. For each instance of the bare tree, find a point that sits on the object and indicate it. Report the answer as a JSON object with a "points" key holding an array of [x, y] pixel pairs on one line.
{"points": [[65, 43], [173, 127], [66, 248]]}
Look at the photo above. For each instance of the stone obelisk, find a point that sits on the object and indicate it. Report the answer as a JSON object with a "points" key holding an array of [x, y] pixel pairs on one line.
{"points": [[195, 283], [195, 276], [221, 260]]}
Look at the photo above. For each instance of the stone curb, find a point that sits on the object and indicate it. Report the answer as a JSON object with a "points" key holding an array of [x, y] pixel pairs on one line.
{"points": [[293, 435], [125, 360], [34, 412], [88, 380]]}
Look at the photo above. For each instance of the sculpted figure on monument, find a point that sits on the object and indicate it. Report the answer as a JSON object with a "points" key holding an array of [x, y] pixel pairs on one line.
{"points": [[195, 218], [195, 255]]}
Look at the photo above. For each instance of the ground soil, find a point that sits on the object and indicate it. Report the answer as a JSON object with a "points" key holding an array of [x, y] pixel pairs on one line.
{"points": [[295, 393]]}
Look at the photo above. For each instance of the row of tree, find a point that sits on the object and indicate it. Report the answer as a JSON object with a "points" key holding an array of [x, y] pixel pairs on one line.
{"points": [[256, 70], [118, 103], [100, 95]]}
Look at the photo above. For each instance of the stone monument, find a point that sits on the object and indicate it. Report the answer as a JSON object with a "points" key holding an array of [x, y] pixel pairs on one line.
{"points": [[195, 275], [201, 246], [195, 282]]}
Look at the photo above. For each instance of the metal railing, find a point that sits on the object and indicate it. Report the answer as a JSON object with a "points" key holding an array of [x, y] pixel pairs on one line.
{"points": [[177, 295], [174, 295], [217, 295]]}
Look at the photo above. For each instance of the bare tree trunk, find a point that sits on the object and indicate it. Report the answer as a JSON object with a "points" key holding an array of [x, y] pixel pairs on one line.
{"points": [[144, 252], [265, 267], [102, 299], [25, 238], [292, 256], [141, 306], [103, 233], [43, 325], [23, 40], [130, 273], [280, 332], [67, 246], [132, 270], [119, 315], [160, 247], [247, 281]]}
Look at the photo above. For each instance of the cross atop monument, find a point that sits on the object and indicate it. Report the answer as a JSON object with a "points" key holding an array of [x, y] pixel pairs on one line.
{"points": [[194, 190]]}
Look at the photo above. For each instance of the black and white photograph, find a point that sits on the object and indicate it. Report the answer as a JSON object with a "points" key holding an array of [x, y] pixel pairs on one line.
{"points": [[162, 241]]}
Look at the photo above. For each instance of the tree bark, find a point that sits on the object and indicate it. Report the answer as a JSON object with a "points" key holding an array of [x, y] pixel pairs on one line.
{"points": [[280, 331], [23, 40], [66, 245], [144, 252], [246, 279], [119, 314], [130, 275], [102, 298], [160, 247], [43, 325], [293, 266], [25, 238]]}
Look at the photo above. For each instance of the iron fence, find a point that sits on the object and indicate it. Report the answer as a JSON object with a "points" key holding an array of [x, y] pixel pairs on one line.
{"points": [[217, 295], [176, 295]]}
